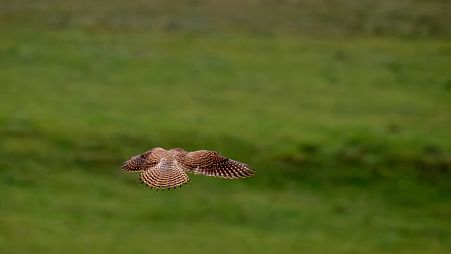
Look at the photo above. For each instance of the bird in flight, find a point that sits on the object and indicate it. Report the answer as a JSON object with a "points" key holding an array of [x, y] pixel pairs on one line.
{"points": [[166, 169]]}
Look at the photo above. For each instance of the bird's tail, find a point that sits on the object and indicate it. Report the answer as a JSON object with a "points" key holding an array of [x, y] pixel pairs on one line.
{"points": [[164, 178]]}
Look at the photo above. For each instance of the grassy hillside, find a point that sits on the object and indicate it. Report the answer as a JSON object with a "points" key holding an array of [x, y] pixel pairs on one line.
{"points": [[349, 137], [266, 17]]}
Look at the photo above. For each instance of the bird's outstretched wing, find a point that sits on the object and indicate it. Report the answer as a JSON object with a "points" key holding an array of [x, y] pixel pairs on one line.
{"points": [[211, 163], [145, 160], [164, 175]]}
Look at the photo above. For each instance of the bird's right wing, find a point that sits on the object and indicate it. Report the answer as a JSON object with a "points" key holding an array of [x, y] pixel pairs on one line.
{"points": [[211, 163], [145, 160]]}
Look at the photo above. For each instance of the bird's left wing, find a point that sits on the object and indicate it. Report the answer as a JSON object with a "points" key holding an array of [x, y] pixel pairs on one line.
{"points": [[145, 160]]}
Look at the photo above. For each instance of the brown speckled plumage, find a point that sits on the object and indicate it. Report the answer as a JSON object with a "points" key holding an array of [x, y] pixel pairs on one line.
{"points": [[166, 169]]}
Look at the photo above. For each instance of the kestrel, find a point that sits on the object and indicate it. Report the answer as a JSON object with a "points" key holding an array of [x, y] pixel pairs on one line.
{"points": [[165, 169]]}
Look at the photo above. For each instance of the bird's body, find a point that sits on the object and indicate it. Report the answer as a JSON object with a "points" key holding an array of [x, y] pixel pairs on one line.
{"points": [[165, 169]]}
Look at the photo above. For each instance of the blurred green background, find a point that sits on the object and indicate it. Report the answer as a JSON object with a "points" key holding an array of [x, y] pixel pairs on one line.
{"points": [[343, 108]]}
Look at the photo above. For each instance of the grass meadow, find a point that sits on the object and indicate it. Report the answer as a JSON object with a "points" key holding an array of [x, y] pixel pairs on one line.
{"points": [[348, 129]]}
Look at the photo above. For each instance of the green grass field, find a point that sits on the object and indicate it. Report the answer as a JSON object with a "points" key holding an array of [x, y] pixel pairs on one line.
{"points": [[349, 135]]}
